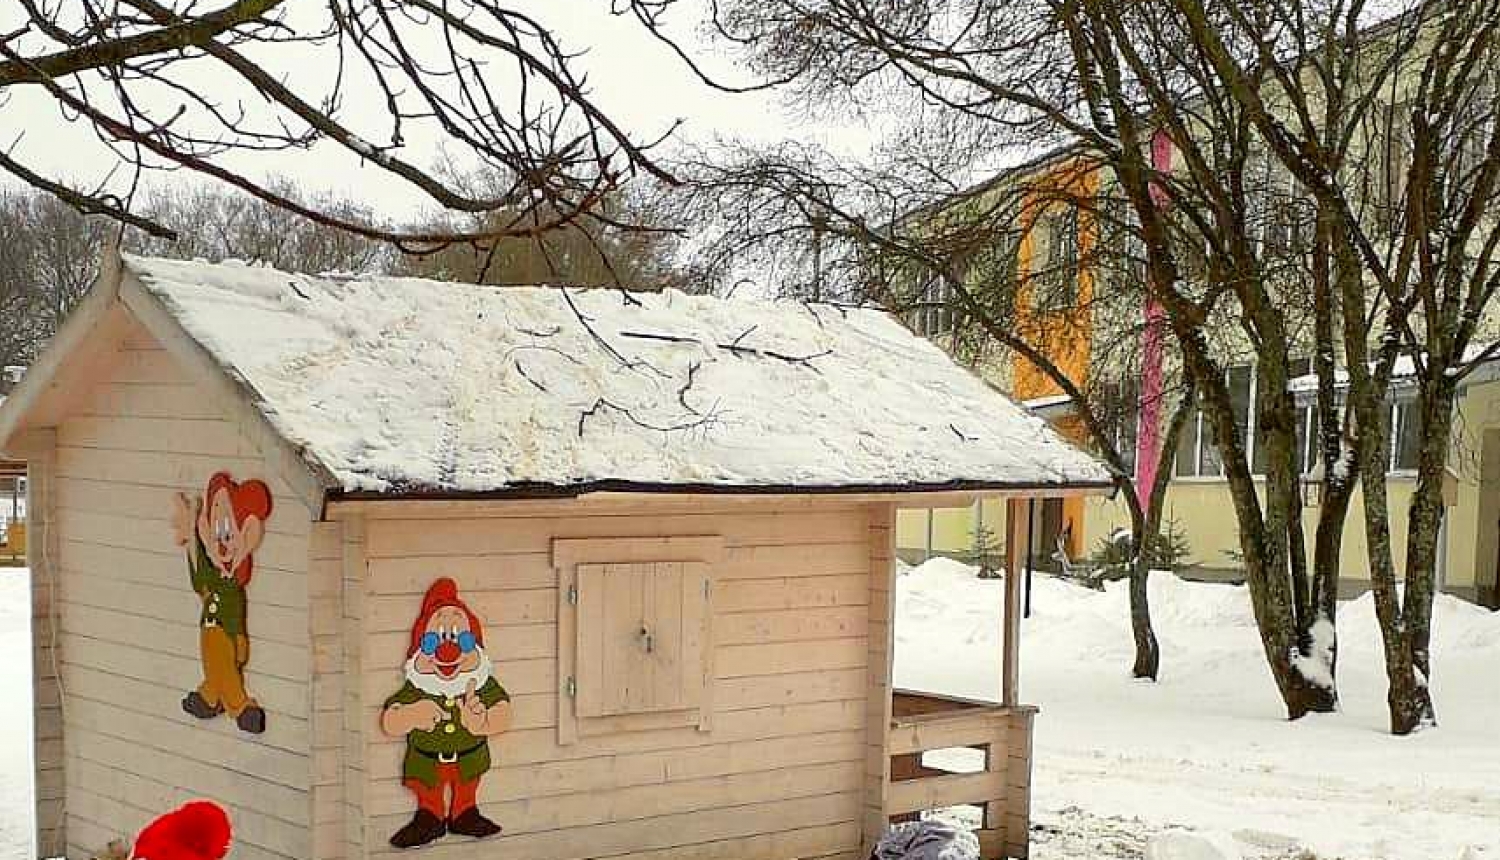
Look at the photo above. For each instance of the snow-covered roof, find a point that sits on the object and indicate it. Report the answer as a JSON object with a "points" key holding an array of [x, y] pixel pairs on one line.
{"points": [[1402, 370], [400, 385]]}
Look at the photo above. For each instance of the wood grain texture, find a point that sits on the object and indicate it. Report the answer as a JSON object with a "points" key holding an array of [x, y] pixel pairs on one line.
{"points": [[780, 771], [126, 621]]}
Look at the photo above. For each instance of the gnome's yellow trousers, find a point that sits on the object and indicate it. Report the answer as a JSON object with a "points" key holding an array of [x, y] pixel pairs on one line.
{"points": [[224, 659]]}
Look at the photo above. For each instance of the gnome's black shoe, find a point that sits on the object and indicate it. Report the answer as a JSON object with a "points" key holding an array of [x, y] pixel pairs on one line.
{"points": [[471, 823], [422, 829], [251, 720], [197, 706]]}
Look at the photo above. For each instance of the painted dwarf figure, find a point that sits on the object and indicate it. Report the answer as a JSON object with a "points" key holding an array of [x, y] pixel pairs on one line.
{"points": [[221, 534], [447, 710]]}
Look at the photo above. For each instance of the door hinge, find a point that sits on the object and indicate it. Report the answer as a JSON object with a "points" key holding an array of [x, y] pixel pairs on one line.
{"points": [[573, 594], [572, 686], [706, 584]]}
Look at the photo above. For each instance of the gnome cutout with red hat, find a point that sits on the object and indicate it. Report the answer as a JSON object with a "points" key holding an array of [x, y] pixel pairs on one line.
{"points": [[447, 710], [197, 831]]}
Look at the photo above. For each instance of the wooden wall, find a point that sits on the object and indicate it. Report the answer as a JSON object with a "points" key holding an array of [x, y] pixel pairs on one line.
{"points": [[782, 772], [128, 636]]}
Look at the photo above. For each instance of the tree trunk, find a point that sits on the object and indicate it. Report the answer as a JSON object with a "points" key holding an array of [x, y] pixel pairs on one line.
{"points": [[1147, 650], [1147, 530], [1424, 528]]}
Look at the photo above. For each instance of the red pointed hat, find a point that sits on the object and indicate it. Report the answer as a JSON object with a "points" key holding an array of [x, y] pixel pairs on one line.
{"points": [[442, 593], [197, 831]]}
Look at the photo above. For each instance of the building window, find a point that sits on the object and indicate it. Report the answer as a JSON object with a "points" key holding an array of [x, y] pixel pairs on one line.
{"points": [[1057, 289], [1406, 438], [933, 316], [1120, 412]]}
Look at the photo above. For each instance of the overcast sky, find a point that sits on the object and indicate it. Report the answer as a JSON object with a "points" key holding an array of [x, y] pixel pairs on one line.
{"points": [[643, 86]]}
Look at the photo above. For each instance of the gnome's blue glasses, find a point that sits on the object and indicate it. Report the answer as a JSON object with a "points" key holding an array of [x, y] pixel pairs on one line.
{"points": [[431, 641]]}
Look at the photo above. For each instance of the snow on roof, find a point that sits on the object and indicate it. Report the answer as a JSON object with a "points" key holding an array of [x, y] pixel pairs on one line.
{"points": [[1402, 370], [403, 385]]}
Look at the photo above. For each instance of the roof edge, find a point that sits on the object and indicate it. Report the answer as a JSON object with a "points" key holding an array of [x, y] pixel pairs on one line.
{"points": [[537, 491], [310, 480], [74, 333]]}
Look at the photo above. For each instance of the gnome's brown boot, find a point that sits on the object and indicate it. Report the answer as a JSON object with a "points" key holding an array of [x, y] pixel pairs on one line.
{"points": [[422, 829], [471, 823], [195, 704], [251, 720]]}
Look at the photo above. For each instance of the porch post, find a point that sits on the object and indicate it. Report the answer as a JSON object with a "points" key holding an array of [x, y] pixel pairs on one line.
{"points": [[1011, 617]]}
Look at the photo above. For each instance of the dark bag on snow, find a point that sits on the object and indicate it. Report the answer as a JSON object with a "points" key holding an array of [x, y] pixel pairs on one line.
{"points": [[926, 840]]}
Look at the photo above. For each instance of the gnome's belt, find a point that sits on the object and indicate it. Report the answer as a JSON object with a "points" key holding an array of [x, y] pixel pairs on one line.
{"points": [[449, 758]]}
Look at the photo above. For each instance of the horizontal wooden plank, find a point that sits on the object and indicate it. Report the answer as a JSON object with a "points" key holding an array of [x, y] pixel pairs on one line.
{"points": [[937, 792], [823, 721], [519, 677], [283, 731], [211, 437], [177, 670], [520, 642], [268, 657], [178, 605], [925, 735], [396, 538], [494, 608], [817, 558], [779, 658], [278, 550], [791, 625], [131, 763], [667, 831], [150, 400], [790, 689], [754, 595], [552, 812], [153, 504], [831, 840], [217, 741], [251, 830], [411, 575], [146, 365], [166, 567]]}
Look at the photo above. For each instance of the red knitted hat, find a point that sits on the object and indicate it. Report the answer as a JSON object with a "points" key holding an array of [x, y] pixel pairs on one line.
{"points": [[198, 831], [442, 593]]}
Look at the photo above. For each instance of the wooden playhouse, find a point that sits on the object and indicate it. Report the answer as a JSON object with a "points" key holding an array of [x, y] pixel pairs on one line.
{"points": [[382, 561]]}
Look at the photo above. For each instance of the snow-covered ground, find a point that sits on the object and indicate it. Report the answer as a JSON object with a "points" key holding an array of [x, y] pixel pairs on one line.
{"points": [[1131, 770], [15, 715], [1208, 750]]}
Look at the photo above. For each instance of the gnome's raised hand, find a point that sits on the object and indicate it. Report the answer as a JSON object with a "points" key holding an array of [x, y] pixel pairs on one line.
{"points": [[472, 712], [184, 518]]}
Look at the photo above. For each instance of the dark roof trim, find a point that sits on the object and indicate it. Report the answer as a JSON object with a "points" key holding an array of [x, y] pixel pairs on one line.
{"points": [[571, 491]]}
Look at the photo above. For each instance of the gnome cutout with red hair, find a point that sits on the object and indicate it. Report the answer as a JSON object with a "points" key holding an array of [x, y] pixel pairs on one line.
{"points": [[197, 831], [447, 710]]}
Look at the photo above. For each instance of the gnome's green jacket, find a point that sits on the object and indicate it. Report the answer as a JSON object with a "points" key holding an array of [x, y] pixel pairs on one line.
{"points": [[223, 596], [449, 742]]}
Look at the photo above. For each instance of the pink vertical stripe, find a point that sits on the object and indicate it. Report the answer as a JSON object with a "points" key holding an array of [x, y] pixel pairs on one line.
{"points": [[1148, 437]]}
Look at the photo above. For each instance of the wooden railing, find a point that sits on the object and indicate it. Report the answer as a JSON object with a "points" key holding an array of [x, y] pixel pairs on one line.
{"points": [[924, 723]]}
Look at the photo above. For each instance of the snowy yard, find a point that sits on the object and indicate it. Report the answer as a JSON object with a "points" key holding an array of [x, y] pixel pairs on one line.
{"points": [[15, 716], [1118, 763], [1208, 749]]}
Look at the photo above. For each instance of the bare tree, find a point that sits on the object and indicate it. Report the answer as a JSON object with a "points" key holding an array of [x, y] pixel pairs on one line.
{"points": [[582, 253], [1107, 80], [820, 228], [487, 81], [232, 225], [1257, 228], [1412, 249], [48, 255]]}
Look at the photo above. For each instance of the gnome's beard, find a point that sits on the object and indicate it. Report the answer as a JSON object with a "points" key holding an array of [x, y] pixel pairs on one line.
{"points": [[436, 685]]}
